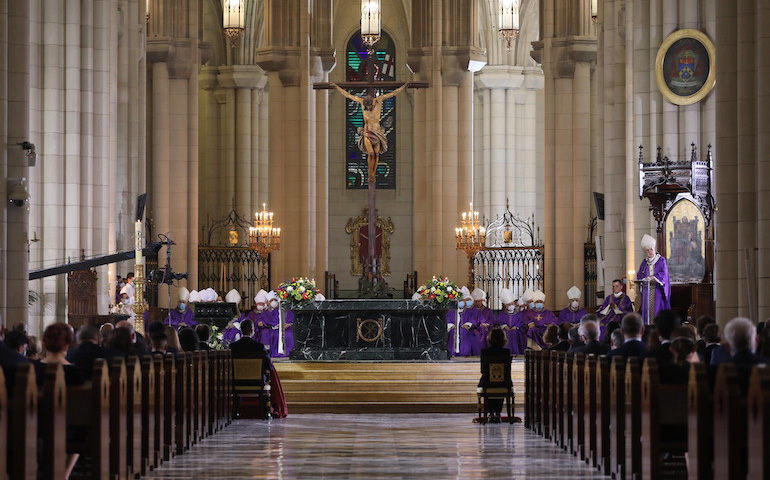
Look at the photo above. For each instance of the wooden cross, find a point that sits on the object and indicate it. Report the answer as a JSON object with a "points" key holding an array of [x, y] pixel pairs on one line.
{"points": [[372, 279]]}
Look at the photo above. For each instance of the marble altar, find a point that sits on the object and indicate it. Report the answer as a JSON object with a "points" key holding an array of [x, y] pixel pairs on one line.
{"points": [[369, 330]]}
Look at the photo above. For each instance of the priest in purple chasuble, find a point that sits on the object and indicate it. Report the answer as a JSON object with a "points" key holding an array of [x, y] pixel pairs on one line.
{"points": [[656, 291], [537, 319], [466, 328], [615, 306], [263, 322], [274, 319], [182, 314], [573, 312], [509, 320]]}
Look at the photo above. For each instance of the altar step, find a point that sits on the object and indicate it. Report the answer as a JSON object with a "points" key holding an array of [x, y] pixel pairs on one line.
{"points": [[386, 387]]}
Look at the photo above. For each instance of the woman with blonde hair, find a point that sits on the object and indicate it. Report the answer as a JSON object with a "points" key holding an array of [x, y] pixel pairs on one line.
{"points": [[173, 345]]}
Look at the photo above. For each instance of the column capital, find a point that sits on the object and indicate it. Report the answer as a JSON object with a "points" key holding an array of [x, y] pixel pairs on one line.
{"points": [[241, 76], [283, 60], [510, 77], [455, 62], [180, 54]]}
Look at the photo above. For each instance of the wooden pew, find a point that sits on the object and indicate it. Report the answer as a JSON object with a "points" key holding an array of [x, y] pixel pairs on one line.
{"points": [[569, 360], [88, 406], [700, 424], [193, 403], [160, 409], [617, 417], [553, 398], [149, 458], [182, 404], [133, 416], [588, 452], [559, 432], [169, 406], [52, 422], [23, 425], [664, 406], [4, 418], [602, 400], [730, 422], [578, 394], [118, 413], [529, 393], [228, 370], [633, 420], [544, 394], [203, 394], [214, 393], [759, 423]]}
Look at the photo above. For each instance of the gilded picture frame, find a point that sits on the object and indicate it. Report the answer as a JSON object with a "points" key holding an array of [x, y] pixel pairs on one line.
{"points": [[685, 67]]}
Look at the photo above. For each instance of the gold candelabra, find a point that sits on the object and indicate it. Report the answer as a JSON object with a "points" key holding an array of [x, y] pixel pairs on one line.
{"points": [[264, 238], [471, 238]]}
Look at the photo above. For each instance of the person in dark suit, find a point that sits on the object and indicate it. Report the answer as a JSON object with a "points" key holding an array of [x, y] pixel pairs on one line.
{"points": [[247, 347], [632, 328], [710, 337], [140, 346], [87, 351], [683, 351], [564, 343], [204, 333], [701, 324], [741, 338], [9, 360], [589, 332], [496, 353], [666, 321]]}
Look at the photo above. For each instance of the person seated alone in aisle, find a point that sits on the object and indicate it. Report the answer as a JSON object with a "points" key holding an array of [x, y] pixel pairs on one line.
{"points": [[496, 353]]}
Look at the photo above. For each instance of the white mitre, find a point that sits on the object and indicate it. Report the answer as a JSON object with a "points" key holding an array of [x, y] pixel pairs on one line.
{"points": [[506, 296], [648, 242], [195, 296], [183, 294], [574, 292], [528, 295], [478, 294], [233, 296], [271, 295], [466, 293], [538, 296], [261, 297]]}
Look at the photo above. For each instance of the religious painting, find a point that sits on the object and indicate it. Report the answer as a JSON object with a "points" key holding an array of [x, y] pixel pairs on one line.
{"points": [[685, 243], [356, 166], [358, 229], [684, 67]]}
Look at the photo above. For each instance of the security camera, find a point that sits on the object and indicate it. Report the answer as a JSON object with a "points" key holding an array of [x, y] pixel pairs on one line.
{"points": [[18, 195], [29, 150]]}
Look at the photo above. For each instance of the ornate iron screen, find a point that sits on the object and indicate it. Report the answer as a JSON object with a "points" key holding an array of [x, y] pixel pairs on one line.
{"points": [[517, 268], [225, 261], [356, 164]]}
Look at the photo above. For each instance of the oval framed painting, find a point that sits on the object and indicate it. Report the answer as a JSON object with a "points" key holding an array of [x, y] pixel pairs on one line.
{"points": [[685, 67]]}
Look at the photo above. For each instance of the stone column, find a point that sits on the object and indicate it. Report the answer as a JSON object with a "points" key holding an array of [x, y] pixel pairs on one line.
{"points": [[567, 51], [444, 53], [175, 51]]}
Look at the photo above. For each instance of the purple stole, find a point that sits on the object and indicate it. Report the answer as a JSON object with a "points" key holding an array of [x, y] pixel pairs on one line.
{"points": [[541, 320], [623, 303], [517, 336], [566, 315]]}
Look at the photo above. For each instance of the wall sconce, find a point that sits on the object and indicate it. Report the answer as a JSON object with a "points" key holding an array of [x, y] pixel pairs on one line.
{"points": [[594, 11], [508, 20], [371, 22], [233, 20], [18, 196]]}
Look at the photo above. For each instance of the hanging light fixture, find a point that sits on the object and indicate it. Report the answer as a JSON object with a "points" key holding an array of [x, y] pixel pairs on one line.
{"points": [[594, 10], [371, 22], [470, 238], [508, 20], [147, 11], [263, 237], [233, 19]]}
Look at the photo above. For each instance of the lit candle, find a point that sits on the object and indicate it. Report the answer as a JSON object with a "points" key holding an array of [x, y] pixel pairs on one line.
{"points": [[139, 242]]}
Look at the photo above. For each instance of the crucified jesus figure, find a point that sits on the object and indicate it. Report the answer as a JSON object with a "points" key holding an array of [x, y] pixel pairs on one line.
{"points": [[372, 139]]}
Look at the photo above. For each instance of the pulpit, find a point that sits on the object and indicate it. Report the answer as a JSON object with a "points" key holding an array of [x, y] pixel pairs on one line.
{"points": [[369, 330]]}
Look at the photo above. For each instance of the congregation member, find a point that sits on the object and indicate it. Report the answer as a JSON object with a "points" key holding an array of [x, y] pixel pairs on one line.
{"points": [[34, 349], [88, 350], [573, 337], [656, 289], [632, 328], [666, 321], [509, 320], [564, 341], [182, 314], [683, 351], [537, 318], [701, 324], [139, 345], [573, 312], [550, 337], [17, 341], [589, 334], [616, 338], [616, 305], [159, 343], [741, 339], [188, 339], [172, 339], [495, 353], [204, 333], [475, 321], [710, 338]]}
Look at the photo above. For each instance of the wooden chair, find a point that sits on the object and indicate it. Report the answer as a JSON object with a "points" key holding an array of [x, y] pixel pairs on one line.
{"points": [[249, 380], [52, 422], [700, 424], [578, 394], [617, 417], [759, 422], [500, 387], [664, 406], [118, 413], [588, 453], [633, 420], [603, 414]]}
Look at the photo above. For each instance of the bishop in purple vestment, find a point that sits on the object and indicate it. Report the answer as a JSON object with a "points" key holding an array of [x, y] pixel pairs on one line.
{"points": [[510, 320], [615, 306], [656, 291], [181, 315], [538, 319], [573, 312]]}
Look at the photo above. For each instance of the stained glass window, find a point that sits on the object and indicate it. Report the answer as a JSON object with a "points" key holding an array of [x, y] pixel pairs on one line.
{"points": [[384, 70]]}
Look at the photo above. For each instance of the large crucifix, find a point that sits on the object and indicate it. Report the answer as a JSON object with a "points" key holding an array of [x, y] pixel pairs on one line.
{"points": [[373, 142]]}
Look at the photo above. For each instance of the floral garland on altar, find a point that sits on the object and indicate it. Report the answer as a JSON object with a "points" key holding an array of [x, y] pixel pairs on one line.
{"points": [[297, 293], [439, 293]]}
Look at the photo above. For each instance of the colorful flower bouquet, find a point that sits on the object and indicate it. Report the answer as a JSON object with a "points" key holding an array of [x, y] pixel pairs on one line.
{"points": [[297, 293], [439, 293]]}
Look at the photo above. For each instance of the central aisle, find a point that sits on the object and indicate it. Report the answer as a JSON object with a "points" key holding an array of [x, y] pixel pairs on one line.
{"points": [[382, 446]]}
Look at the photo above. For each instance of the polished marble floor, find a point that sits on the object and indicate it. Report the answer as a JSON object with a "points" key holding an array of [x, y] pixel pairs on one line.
{"points": [[382, 446]]}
